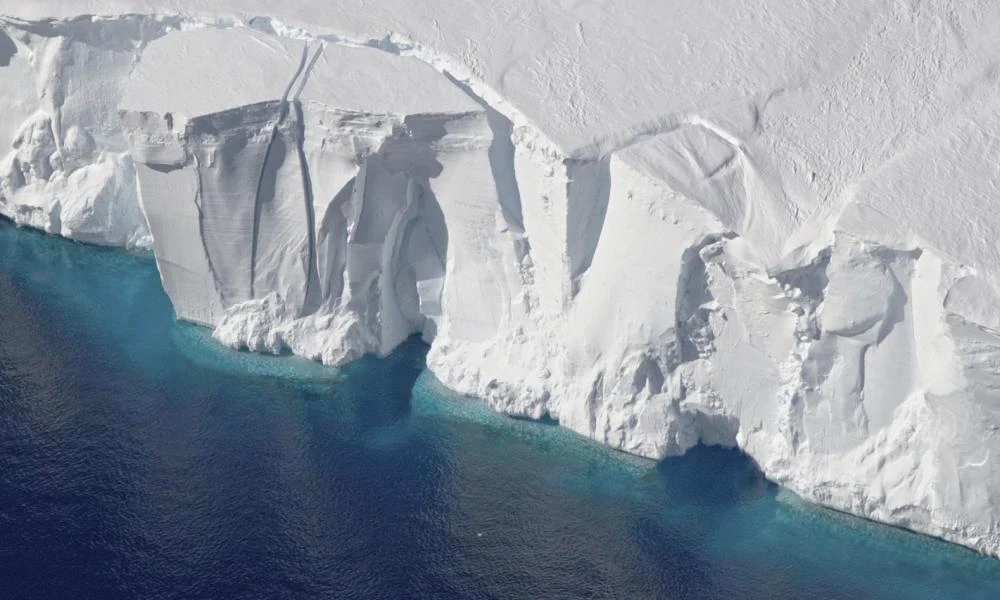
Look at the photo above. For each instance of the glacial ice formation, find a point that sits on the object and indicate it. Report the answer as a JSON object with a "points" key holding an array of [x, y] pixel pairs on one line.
{"points": [[766, 224]]}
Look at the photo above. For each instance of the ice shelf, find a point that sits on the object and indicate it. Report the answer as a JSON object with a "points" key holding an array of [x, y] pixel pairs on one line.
{"points": [[764, 224]]}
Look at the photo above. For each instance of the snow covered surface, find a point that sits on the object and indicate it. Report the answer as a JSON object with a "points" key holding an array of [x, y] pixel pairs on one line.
{"points": [[770, 224]]}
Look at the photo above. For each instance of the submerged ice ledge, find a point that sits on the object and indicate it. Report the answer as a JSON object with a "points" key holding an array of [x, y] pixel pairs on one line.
{"points": [[760, 274]]}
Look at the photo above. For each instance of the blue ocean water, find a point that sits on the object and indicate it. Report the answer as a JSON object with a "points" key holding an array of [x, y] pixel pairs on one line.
{"points": [[140, 460]]}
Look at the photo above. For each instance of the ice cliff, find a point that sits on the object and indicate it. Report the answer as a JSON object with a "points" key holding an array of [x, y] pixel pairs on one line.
{"points": [[765, 224]]}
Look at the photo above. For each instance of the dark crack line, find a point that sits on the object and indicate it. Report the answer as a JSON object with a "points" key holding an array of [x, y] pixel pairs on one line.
{"points": [[295, 77], [257, 212], [306, 72], [310, 301]]}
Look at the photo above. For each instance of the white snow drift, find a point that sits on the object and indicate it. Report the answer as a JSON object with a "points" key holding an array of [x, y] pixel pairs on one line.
{"points": [[760, 223]]}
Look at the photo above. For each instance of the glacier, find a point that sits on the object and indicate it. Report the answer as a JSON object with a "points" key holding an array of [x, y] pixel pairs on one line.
{"points": [[763, 224]]}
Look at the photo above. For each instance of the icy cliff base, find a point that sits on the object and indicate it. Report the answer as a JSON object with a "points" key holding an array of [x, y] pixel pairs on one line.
{"points": [[789, 248]]}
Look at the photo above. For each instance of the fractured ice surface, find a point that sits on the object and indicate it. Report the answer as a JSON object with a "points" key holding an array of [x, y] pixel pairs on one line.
{"points": [[767, 224]]}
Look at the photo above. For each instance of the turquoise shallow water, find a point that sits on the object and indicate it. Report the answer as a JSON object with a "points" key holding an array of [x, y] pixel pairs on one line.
{"points": [[138, 459]]}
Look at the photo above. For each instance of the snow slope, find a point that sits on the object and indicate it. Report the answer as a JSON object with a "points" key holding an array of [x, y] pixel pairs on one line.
{"points": [[768, 224]]}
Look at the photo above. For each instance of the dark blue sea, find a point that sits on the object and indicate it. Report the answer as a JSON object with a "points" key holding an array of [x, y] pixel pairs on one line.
{"points": [[138, 459]]}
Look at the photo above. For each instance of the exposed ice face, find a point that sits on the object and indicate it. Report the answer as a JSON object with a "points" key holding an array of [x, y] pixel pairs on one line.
{"points": [[293, 216], [68, 169], [786, 248]]}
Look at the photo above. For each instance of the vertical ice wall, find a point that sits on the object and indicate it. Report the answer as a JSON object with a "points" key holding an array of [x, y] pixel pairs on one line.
{"points": [[306, 197]]}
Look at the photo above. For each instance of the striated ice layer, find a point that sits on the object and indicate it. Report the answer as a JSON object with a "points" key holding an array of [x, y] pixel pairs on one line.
{"points": [[769, 228], [331, 213]]}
